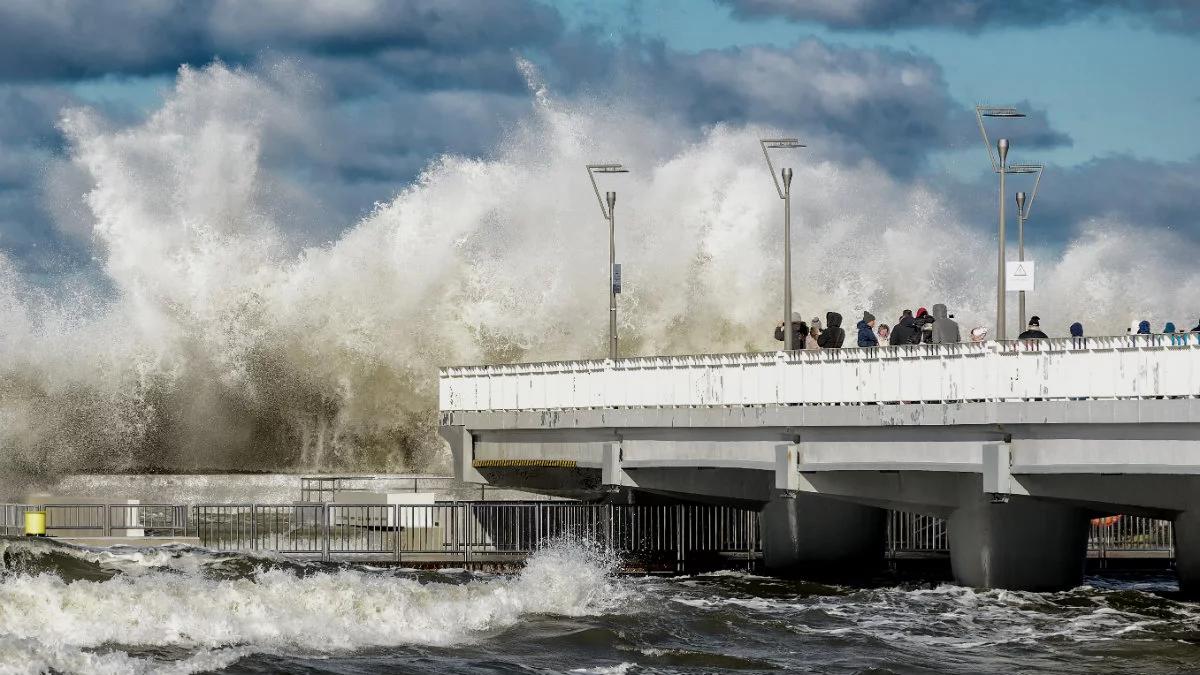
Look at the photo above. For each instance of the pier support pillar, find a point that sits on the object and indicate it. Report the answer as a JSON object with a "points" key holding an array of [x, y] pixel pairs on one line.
{"points": [[1187, 552], [1021, 544], [811, 534]]}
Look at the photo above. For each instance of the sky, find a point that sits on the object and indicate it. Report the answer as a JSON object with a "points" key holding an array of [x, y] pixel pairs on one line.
{"points": [[1106, 82]]}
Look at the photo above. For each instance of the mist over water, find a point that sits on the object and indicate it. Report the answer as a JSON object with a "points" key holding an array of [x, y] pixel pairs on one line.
{"points": [[226, 335]]}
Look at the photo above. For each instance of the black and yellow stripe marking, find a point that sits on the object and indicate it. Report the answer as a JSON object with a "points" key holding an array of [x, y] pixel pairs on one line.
{"points": [[514, 463]]}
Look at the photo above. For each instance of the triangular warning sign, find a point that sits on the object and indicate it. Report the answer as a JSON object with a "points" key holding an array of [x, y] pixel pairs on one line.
{"points": [[1020, 271]]}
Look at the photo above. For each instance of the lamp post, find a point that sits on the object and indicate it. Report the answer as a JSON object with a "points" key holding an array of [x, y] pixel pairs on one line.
{"points": [[607, 205], [785, 193], [999, 167], [1024, 206]]}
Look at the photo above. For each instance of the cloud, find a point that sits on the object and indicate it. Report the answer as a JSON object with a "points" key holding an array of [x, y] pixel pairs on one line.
{"points": [[850, 103], [965, 15], [71, 39]]}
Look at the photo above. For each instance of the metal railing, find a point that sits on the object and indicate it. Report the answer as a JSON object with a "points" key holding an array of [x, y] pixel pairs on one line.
{"points": [[465, 532], [1119, 536], [915, 533], [100, 520], [477, 531], [1142, 366]]}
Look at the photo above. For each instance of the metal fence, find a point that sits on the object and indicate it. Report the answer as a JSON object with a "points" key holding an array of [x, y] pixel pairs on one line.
{"points": [[101, 520], [916, 533], [469, 532], [669, 536], [1129, 536], [1108, 537]]}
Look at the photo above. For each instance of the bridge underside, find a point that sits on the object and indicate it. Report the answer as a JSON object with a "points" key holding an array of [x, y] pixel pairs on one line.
{"points": [[1016, 481]]}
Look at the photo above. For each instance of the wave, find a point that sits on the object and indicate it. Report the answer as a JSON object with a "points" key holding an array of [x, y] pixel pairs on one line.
{"points": [[187, 602], [223, 336]]}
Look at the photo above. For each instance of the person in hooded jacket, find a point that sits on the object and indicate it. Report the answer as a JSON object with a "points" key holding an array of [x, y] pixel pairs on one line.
{"points": [[1143, 328], [1077, 330], [833, 336], [1177, 337], [905, 331], [866, 331], [799, 331], [1034, 331], [945, 329], [924, 321]]}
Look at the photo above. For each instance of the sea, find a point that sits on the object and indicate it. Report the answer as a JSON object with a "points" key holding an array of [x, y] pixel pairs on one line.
{"points": [[179, 609]]}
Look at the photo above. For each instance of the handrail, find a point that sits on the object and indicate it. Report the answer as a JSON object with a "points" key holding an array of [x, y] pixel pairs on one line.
{"points": [[1062, 344], [1132, 366]]}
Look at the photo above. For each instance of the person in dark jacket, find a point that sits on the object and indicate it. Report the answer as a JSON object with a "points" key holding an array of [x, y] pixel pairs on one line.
{"points": [[945, 329], [866, 331], [833, 336], [1034, 332], [1076, 329], [924, 321], [1143, 328], [799, 331], [905, 331]]}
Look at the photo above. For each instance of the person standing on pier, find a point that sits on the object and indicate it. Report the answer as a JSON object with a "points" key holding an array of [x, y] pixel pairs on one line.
{"points": [[866, 331], [799, 331], [1034, 331], [945, 329], [905, 331], [833, 337]]}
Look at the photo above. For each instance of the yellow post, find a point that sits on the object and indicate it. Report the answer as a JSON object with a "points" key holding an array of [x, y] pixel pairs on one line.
{"points": [[35, 523]]}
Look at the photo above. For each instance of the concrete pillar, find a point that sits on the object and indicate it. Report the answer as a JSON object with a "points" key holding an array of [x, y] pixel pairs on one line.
{"points": [[462, 449], [1022, 544], [812, 534], [1187, 552]]}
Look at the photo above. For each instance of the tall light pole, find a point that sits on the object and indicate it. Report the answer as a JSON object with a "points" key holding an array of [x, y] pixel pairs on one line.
{"points": [[607, 204], [785, 193], [1024, 206], [998, 167]]}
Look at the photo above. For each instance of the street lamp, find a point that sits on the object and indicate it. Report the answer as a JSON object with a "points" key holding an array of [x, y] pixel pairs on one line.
{"points": [[785, 193], [998, 167], [1024, 206], [610, 199]]}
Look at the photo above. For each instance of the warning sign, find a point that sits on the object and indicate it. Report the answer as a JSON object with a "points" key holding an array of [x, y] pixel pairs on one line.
{"points": [[1019, 275]]}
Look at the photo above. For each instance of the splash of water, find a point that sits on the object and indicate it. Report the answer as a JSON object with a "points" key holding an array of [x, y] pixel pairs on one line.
{"points": [[226, 340]]}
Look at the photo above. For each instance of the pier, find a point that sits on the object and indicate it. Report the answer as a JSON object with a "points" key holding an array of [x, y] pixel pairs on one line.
{"points": [[1016, 445]]}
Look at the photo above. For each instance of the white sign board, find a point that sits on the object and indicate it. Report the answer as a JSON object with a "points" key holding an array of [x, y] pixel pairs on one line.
{"points": [[1019, 275]]}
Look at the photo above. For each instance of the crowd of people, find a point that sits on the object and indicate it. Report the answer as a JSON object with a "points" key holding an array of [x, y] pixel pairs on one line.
{"points": [[924, 327]]}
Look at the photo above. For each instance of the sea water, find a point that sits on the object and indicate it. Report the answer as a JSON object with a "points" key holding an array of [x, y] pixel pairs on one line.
{"points": [[183, 610]]}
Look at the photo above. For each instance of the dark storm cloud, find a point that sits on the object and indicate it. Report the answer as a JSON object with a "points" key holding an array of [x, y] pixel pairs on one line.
{"points": [[70, 39], [966, 15], [29, 145], [891, 106], [1141, 192]]}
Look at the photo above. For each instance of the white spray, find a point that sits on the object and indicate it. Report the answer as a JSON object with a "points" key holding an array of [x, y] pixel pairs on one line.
{"points": [[226, 341]]}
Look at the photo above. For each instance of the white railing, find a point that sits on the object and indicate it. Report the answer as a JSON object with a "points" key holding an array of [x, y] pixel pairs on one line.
{"points": [[1141, 366]]}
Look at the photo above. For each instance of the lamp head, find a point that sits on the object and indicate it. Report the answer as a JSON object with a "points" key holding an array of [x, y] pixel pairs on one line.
{"points": [[1002, 147], [1021, 203], [611, 198], [998, 111], [783, 143], [787, 178]]}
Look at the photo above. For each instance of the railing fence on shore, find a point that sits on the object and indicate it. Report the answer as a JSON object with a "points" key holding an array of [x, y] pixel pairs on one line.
{"points": [[668, 537]]}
